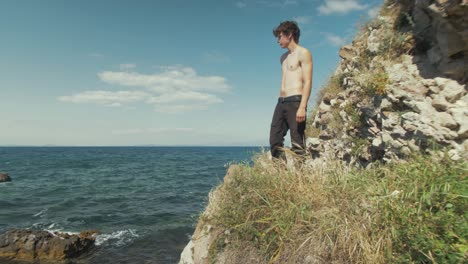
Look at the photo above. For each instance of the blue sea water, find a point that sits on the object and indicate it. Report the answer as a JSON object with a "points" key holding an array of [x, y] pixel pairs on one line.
{"points": [[144, 200]]}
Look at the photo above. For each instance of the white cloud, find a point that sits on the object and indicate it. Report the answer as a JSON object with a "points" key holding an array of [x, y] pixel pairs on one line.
{"points": [[170, 80], [373, 12], [127, 66], [334, 39], [241, 4], [107, 98], [340, 6], [302, 19], [174, 89]]}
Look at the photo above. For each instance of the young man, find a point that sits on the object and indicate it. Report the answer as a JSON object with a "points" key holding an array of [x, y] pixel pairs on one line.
{"points": [[296, 84]]}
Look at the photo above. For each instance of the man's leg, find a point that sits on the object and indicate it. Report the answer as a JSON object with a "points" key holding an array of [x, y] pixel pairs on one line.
{"points": [[297, 130], [278, 130]]}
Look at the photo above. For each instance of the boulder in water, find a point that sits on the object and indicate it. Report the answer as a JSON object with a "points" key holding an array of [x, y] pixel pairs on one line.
{"points": [[33, 245], [4, 177]]}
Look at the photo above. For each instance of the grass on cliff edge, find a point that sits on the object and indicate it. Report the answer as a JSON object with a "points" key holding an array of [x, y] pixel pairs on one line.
{"points": [[411, 212]]}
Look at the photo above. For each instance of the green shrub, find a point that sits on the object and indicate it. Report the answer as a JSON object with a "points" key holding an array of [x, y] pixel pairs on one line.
{"points": [[377, 84]]}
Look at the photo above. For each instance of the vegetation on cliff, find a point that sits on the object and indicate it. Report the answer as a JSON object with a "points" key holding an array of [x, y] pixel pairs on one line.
{"points": [[411, 212]]}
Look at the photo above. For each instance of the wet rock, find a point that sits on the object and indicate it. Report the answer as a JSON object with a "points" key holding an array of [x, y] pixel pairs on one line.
{"points": [[34, 245], [4, 177]]}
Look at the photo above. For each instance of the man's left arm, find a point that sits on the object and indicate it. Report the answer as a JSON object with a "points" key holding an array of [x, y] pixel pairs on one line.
{"points": [[307, 67]]}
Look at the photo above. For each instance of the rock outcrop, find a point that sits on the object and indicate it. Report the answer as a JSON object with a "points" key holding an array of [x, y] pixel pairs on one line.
{"points": [[29, 245], [441, 26], [4, 177], [402, 97]]}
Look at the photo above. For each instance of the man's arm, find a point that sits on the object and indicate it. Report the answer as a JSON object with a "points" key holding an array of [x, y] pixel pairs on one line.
{"points": [[307, 67]]}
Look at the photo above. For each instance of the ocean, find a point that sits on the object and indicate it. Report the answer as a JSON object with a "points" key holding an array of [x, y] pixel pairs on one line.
{"points": [[145, 201]]}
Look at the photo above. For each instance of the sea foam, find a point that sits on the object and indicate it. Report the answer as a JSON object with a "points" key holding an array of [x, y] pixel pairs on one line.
{"points": [[117, 238]]}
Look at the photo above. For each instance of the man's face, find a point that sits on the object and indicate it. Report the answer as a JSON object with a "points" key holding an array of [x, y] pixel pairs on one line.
{"points": [[284, 40]]}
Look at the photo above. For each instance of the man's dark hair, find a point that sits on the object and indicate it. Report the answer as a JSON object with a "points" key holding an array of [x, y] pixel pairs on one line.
{"points": [[288, 27]]}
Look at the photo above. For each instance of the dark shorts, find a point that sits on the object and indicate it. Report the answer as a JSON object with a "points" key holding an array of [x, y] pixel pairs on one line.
{"points": [[284, 119]]}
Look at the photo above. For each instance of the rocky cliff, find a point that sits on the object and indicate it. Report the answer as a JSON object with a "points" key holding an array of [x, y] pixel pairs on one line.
{"points": [[400, 89]]}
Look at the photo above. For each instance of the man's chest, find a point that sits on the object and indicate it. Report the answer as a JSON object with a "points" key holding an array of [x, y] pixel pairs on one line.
{"points": [[291, 63]]}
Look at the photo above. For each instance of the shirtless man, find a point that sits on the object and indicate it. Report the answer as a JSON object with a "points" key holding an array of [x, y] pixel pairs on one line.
{"points": [[296, 84]]}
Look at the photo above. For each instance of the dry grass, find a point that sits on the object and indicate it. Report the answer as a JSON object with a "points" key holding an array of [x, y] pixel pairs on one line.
{"points": [[329, 213]]}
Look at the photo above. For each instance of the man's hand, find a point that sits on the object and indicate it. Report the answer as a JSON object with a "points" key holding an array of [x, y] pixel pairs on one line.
{"points": [[300, 115]]}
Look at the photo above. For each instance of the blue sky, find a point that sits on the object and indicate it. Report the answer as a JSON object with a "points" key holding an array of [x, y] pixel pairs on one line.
{"points": [[106, 73]]}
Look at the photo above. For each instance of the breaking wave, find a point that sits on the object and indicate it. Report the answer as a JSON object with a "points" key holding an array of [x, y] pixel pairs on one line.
{"points": [[117, 238]]}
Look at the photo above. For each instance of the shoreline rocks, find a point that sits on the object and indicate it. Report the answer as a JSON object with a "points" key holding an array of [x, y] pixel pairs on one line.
{"points": [[38, 245]]}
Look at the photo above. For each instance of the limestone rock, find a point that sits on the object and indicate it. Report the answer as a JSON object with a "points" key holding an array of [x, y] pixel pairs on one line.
{"points": [[187, 256], [323, 108], [385, 105], [460, 115], [377, 143], [424, 128], [390, 120], [443, 24], [347, 52], [373, 41], [452, 91], [398, 132], [312, 142], [326, 118], [326, 134], [4, 177], [446, 120], [440, 103], [453, 154]]}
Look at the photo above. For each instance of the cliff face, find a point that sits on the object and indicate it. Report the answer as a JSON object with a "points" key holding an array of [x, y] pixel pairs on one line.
{"points": [[400, 88], [441, 29], [205, 235]]}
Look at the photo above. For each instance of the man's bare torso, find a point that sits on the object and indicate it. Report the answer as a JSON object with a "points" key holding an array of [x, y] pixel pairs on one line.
{"points": [[292, 80]]}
